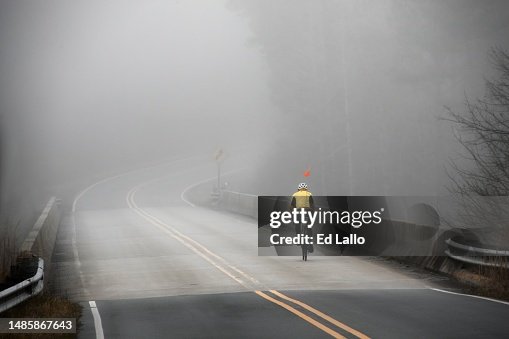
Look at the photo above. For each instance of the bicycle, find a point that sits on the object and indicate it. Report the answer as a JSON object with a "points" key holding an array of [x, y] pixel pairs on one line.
{"points": [[306, 248]]}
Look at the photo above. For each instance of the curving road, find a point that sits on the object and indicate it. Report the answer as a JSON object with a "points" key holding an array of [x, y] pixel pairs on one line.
{"points": [[147, 263]]}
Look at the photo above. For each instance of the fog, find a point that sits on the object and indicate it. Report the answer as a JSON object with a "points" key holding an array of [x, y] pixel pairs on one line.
{"points": [[361, 86], [351, 90], [90, 88]]}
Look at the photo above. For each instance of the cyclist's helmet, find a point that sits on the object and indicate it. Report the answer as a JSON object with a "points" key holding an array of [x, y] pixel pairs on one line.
{"points": [[302, 186]]}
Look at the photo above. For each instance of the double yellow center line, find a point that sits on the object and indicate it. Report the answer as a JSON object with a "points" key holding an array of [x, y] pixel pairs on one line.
{"points": [[243, 278], [307, 318]]}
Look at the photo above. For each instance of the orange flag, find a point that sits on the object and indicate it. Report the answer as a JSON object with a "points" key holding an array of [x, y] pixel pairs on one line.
{"points": [[307, 173]]}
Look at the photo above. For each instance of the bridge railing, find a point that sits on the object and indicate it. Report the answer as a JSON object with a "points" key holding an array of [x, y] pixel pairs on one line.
{"points": [[247, 204], [241, 203]]}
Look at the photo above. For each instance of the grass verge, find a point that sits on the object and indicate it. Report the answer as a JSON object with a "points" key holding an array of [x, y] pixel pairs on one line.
{"points": [[44, 306], [488, 281], [8, 250]]}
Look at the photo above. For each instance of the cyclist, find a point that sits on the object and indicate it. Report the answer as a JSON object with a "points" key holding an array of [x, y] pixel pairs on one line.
{"points": [[303, 199]]}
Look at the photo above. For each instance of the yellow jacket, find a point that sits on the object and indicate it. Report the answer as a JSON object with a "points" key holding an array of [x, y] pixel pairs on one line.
{"points": [[302, 199]]}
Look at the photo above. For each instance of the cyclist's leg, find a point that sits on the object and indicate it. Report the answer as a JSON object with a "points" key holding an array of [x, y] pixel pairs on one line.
{"points": [[304, 246], [298, 231]]}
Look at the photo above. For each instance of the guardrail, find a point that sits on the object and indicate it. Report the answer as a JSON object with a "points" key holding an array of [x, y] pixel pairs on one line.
{"points": [[241, 203], [39, 242], [405, 235], [476, 255], [247, 204], [24, 290]]}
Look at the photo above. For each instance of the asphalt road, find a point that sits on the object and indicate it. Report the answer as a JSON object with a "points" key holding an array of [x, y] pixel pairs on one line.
{"points": [[147, 263]]}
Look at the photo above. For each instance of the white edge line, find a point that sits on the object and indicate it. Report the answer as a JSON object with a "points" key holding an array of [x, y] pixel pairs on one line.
{"points": [[246, 194], [470, 295], [99, 334], [82, 193], [88, 188], [93, 307], [95, 312], [34, 232], [184, 192]]}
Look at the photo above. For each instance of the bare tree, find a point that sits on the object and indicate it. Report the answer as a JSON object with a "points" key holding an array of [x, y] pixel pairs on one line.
{"points": [[483, 131], [481, 179]]}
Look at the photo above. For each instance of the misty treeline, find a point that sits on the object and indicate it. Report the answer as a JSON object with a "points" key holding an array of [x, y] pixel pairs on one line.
{"points": [[92, 89], [360, 86]]}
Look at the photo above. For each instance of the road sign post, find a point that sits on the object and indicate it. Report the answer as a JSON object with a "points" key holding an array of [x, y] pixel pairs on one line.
{"points": [[219, 157], [218, 175]]}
